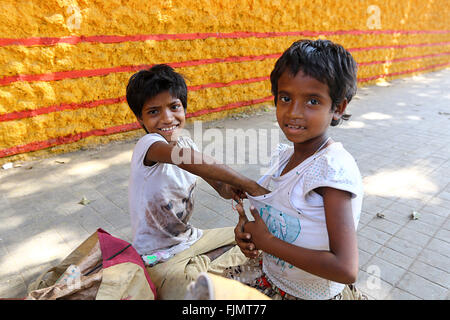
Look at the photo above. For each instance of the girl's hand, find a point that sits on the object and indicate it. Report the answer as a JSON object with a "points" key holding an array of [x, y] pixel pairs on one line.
{"points": [[260, 234], [243, 239]]}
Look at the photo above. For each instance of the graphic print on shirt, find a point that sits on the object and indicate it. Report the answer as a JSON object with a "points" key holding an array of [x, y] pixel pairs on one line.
{"points": [[282, 226], [171, 216]]}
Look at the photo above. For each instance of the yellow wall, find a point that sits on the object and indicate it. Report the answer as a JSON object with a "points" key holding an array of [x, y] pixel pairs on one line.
{"points": [[64, 64]]}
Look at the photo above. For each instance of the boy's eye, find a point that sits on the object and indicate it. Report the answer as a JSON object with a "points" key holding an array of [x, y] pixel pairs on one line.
{"points": [[152, 111], [176, 106]]}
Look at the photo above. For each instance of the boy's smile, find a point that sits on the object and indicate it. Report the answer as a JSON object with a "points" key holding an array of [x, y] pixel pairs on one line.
{"points": [[304, 108], [163, 114]]}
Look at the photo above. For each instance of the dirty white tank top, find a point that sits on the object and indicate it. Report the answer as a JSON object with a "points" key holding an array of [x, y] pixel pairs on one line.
{"points": [[294, 213]]}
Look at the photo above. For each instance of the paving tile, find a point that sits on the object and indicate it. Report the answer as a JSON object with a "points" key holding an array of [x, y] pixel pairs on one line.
{"points": [[214, 203], [124, 233], [445, 195], [436, 209], [398, 213], [446, 225], [443, 234], [431, 218], [439, 246], [422, 227], [14, 287], [431, 273], [422, 287], [399, 294], [413, 236], [437, 206], [219, 222], [374, 204], [404, 246], [435, 259], [203, 213], [365, 218], [374, 234], [373, 285], [90, 220], [384, 225], [395, 257], [368, 245], [387, 271], [364, 257]]}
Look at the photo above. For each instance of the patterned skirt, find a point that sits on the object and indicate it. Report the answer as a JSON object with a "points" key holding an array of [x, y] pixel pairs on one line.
{"points": [[251, 274]]}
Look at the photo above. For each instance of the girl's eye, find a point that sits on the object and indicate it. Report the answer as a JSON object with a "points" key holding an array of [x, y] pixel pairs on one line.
{"points": [[285, 99], [152, 112], [313, 101], [176, 106]]}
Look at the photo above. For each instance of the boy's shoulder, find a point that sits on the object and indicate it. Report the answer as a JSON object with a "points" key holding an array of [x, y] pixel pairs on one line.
{"points": [[186, 142], [147, 140]]}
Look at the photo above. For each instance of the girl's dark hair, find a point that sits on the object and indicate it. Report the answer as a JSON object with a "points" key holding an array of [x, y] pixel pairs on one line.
{"points": [[325, 61], [146, 84]]}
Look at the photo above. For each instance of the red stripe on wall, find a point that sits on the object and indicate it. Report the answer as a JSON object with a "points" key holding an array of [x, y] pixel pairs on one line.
{"points": [[48, 41], [61, 107], [101, 72], [92, 104], [38, 145], [230, 106], [404, 59], [399, 46], [54, 76], [403, 72]]}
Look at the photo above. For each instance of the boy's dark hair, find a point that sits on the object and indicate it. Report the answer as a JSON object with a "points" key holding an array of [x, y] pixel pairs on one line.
{"points": [[323, 60], [146, 84]]}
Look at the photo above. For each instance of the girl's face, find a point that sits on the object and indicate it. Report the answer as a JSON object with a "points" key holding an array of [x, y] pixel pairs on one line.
{"points": [[304, 108], [163, 114]]}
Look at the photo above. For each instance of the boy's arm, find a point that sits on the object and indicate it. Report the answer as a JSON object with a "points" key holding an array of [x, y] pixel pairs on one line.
{"points": [[201, 165], [223, 189], [340, 263]]}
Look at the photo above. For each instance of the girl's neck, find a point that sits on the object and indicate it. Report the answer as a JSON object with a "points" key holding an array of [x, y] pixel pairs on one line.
{"points": [[308, 148], [303, 151]]}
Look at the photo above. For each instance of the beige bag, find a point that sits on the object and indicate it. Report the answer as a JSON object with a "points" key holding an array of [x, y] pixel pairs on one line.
{"points": [[102, 267]]}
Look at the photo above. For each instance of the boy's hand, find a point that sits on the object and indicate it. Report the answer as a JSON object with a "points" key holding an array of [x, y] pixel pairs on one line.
{"points": [[258, 229], [230, 192], [254, 189], [242, 238]]}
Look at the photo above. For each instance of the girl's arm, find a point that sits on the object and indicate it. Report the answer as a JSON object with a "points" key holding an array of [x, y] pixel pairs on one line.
{"points": [[203, 166], [340, 263]]}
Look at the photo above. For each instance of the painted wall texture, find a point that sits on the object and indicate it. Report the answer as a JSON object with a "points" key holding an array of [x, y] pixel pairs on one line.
{"points": [[64, 64]]}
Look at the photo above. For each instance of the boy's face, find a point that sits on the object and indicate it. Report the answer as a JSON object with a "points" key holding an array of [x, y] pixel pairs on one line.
{"points": [[304, 108], [163, 114]]}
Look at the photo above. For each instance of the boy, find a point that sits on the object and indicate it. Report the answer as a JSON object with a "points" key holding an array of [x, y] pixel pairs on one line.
{"points": [[161, 187]]}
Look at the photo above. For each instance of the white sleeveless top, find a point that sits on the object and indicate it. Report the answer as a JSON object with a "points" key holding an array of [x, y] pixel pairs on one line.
{"points": [[294, 213]]}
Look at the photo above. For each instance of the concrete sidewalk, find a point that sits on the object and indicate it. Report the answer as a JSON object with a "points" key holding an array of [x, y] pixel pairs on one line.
{"points": [[399, 135]]}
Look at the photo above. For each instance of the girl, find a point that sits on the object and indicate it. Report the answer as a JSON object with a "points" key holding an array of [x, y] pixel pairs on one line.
{"points": [[306, 226]]}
